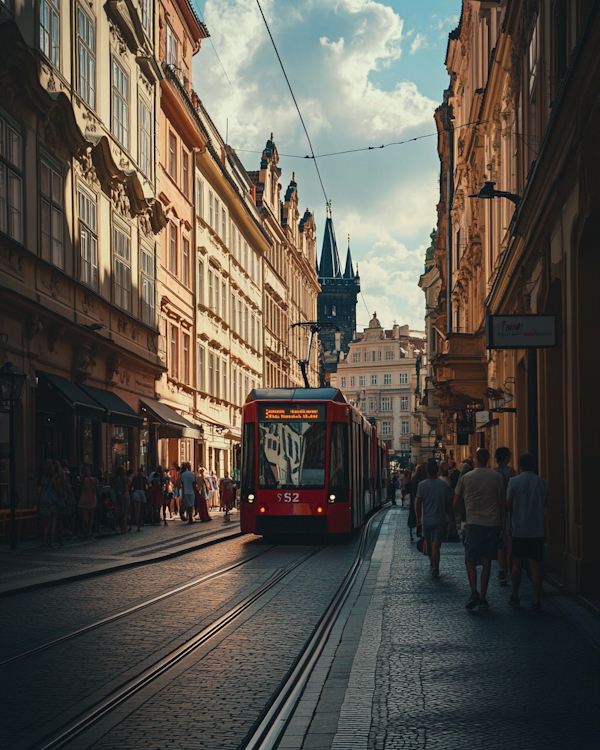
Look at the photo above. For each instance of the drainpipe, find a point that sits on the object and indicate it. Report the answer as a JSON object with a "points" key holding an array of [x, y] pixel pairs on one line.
{"points": [[449, 200]]}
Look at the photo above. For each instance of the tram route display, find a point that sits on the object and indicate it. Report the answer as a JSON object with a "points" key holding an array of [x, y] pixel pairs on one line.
{"points": [[287, 413]]}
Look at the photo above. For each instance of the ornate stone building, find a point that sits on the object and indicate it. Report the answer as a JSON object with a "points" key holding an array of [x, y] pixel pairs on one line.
{"points": [[380, 376], [290, 280], [521, 112], [79, 220]]}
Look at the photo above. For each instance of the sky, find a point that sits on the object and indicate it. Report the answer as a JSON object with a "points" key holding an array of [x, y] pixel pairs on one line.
{"points": [[364, 73]]}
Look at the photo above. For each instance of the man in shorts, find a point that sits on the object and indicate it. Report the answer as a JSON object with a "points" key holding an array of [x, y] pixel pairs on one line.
{"points": [[430, 507], [482, 492], [527, 499]]}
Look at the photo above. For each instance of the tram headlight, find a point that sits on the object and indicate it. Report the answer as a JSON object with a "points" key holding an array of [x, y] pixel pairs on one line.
{"points": [[319, 509], [250, 498], [332, 498], [263, 510]]}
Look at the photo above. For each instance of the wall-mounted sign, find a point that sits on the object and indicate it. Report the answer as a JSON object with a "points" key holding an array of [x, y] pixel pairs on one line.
{"points": [[520, 331], [292, 412]]}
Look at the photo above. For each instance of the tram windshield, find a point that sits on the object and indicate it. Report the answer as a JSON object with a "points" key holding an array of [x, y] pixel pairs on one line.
{"points": [[291, 455]]}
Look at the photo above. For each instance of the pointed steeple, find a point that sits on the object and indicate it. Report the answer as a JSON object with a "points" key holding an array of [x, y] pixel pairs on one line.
{"points": [[348, 272], [330, 260]]}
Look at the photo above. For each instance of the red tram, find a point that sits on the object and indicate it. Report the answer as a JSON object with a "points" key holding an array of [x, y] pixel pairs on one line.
{"points": [[311, 463]]}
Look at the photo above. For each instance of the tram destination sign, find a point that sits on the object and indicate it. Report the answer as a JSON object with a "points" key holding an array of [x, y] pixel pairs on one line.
{"points": [[520, 331], [292, 412]]}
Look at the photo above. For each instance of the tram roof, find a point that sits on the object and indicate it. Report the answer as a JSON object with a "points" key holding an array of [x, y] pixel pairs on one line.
{"points": [[296, 394]]}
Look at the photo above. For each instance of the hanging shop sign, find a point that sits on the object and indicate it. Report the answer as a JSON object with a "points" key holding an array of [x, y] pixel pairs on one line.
{"points": [[520, 331]]}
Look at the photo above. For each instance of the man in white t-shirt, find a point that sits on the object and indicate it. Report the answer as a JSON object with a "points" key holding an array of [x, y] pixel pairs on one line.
{"points": [[483, 495], [527, 499], [187, 483]]}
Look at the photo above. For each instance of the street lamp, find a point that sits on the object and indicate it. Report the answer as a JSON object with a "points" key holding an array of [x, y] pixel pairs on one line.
{"points": [[489, 191], [12, 381]]}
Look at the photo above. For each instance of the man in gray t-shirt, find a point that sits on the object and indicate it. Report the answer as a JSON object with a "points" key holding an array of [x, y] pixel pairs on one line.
{"points": [[527, 496], [430, 507]]}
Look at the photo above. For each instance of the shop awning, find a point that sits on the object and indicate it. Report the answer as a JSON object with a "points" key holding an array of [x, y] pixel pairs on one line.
{"points": [[171, 424], [70, 393], [116, 410]]}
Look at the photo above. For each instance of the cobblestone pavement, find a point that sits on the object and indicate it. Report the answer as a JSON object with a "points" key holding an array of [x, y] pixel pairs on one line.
{"points": [[214, 694], [422, 673], [32, 561]]}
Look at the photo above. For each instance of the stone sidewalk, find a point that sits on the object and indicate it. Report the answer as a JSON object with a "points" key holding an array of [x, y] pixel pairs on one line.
{"points": [[408, 667], [32, 563]]}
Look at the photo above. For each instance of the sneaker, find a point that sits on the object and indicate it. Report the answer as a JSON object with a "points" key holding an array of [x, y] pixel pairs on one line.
{"points": [[473, 601], [483, 604], [537, 607], [502, 578], [514, 601]]}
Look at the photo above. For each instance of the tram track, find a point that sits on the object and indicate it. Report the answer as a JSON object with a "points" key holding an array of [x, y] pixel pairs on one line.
{"points": [[119, 695]]}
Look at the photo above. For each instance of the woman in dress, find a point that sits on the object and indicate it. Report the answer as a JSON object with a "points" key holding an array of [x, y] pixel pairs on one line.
{"points": [[88, 500], [201, 503], [47, 501], [121, 489], [155, 494], [226, 491], [174, 475]]}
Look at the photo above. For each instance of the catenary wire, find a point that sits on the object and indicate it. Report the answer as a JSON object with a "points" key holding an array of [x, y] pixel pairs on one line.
{"points": [[287, 80], [212, 44]]}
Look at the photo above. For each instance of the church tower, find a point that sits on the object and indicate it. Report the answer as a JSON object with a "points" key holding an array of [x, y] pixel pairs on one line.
{"points": [[339, 291]]}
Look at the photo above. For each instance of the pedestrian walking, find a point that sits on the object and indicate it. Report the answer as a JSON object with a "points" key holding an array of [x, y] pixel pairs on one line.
{"points": [[503, 456], [138, 489], [186, 483], [481, 494], [226, 493], [174, 475], [406, 480], [200, 492], [120, 487], [167, 503], [419, 475], [444, 474], [215, 485], [88, 500], [528, 497], [453, 474], [430, 507], [47, 501], [155, 494]]}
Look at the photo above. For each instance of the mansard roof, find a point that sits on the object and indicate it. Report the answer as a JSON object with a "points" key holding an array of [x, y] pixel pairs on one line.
{"points": [[330, 260]]}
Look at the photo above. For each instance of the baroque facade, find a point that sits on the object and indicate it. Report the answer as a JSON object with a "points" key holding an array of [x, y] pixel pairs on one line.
{"points": [[380, 376], [521, 112]]}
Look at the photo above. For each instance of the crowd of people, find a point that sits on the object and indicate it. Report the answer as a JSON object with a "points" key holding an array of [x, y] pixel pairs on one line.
{"points": [[81, 503], [496, 513]]}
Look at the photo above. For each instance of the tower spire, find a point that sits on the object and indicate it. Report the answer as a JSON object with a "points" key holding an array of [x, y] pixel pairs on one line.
{"points": [[330, 267], [348, 272]]}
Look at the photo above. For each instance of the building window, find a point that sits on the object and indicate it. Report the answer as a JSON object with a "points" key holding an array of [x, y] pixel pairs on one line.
{"points": [[185, 173], [217, 393], [217, 305], [147, 286], [145, 143], [387, 379], [200, 281], [50, 31], [173, 249], [174, 341], [86, 57], [172, 155], [246, 323], [185, 363], [210, 208], [201, 365], [223, 225], [11, 181], [403, 378], [147, 16], [356, 357], [233, 238], [373, 379], [252, 332], [372, 405], [210, 290], [52, 214], [120, 102], [386, 403], [389, 354], [224, 380], [88, 239], [246, 257], [386, 428], [253, 260], [185, 261], [404, 427], [352, 381], [200, 197], [366, 355], [233, 315], [403, 403], [217, 214], [343, 383], [172, 48], [361, 380], [224, 301], [211, 373], [122, 267], [234, 395]]}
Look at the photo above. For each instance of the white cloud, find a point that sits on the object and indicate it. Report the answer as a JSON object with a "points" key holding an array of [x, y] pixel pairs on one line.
{"points": [[418, 43]]}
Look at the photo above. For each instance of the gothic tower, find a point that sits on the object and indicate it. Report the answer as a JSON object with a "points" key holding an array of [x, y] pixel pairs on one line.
{"points": [[339, 291]]}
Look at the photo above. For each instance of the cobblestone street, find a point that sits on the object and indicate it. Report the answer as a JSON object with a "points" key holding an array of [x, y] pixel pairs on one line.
{"points": [[413, 669]]}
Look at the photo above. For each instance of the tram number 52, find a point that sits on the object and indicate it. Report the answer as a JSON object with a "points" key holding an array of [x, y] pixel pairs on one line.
{"points": [[288, 497]]}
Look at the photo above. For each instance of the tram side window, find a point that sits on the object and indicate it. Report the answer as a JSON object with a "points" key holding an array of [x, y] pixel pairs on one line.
{"points": [[338, 457], [247, 477]]}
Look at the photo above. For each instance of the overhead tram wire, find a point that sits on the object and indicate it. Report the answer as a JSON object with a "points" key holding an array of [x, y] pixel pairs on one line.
{"points": [[212, 44], [287, 80], [364, 148]]}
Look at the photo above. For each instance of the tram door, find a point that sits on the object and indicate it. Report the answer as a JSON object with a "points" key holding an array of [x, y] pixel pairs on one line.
{"points": [[357, 474]]}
